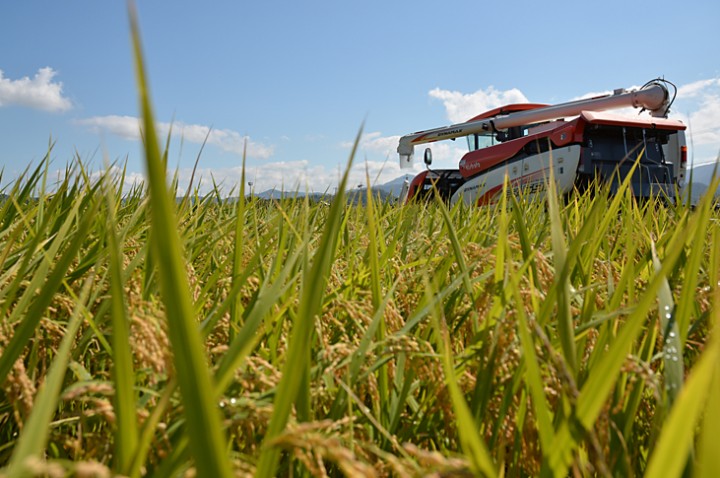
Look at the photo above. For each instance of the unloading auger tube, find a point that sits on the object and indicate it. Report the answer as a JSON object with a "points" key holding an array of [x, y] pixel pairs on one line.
{"points": [[654, 97]]}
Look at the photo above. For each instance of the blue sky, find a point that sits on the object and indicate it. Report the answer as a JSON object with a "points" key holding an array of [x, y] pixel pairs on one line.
{"points": [[297, 80]]}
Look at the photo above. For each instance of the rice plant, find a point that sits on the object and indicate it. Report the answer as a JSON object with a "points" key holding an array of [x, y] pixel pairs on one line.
{"points": [[535, 337]]}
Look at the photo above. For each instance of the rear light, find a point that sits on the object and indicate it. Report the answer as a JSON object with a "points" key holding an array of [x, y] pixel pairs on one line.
{"points": [[683, 155]]}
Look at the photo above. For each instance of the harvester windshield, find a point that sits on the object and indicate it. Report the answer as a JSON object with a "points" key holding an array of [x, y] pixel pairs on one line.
{"points": [[480, 141]]}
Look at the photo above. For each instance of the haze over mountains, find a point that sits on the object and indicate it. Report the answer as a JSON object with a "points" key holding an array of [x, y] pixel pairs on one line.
{"points": [[386, 190]]}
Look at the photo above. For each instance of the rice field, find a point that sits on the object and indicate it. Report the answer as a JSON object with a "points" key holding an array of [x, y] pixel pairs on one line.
{"points": [[145, 336]]}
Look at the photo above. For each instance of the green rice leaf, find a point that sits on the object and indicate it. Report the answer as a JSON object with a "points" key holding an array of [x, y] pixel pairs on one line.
{"points": [[297, 364], [676, 440], [473, 447], [145, 438], [672, 347], [708, 460], [534, 381], [236, 307], [32, 313], [34, 438], [376, 288], [245, 339], [124, 400], [565, 327], [207, 441]]}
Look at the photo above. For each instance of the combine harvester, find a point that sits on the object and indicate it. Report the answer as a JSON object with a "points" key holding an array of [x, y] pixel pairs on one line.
{"points": [[579, 140]]}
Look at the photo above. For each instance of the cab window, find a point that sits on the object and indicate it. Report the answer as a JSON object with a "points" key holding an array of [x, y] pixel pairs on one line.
{"points": [[480, 141]]}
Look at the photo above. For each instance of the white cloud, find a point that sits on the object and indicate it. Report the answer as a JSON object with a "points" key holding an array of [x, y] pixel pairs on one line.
{"points": [[225, 139], [291, 176], [697, 88], [446, 154], [702, 100], [40, 92], [375, 143], [288, 176], [128, 127], [463, 106], [705, 122]]}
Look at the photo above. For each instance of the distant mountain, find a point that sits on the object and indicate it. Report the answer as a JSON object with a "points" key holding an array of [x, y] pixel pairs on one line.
{"points": [[355, 196], [279, 194], [386, 191], [701, 176], [395, 186]]}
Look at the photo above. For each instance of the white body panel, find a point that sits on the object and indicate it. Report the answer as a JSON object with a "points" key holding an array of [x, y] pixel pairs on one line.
{"points": [[674, 154], [531, 172]]}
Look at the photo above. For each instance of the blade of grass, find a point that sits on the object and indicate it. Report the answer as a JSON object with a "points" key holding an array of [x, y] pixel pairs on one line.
{"points": [[356, 360], [376, 290], [148, 430], [236, 308], [676, 440], [709, 462], [533, 377], [686, 302], [48, 285], [246, 337], [297, 362], [124, 400], [207, 441], [458, 253], [672, 347], [603, 376], [37, 241], [566, 329], [33, 440], [472, 445]]}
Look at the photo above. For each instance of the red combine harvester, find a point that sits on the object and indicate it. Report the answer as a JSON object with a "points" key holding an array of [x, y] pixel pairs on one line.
{"points": [[578, 138]]}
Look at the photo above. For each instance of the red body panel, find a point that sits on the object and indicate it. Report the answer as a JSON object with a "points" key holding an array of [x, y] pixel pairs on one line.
{"points": [[415, 184], [476, 162]]}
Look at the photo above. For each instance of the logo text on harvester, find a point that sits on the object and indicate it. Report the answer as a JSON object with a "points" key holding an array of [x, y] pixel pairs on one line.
{"points": [[452, 131]]}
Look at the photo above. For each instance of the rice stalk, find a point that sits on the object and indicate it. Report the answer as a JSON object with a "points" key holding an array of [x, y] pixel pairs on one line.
{"points": [[207, 441]]}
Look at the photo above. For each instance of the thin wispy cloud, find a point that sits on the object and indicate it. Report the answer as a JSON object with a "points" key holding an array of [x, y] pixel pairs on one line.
{"points": [[705, 122], [375, 142], [39, 92], [701, 104], [128, 127], [698, 88]]}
